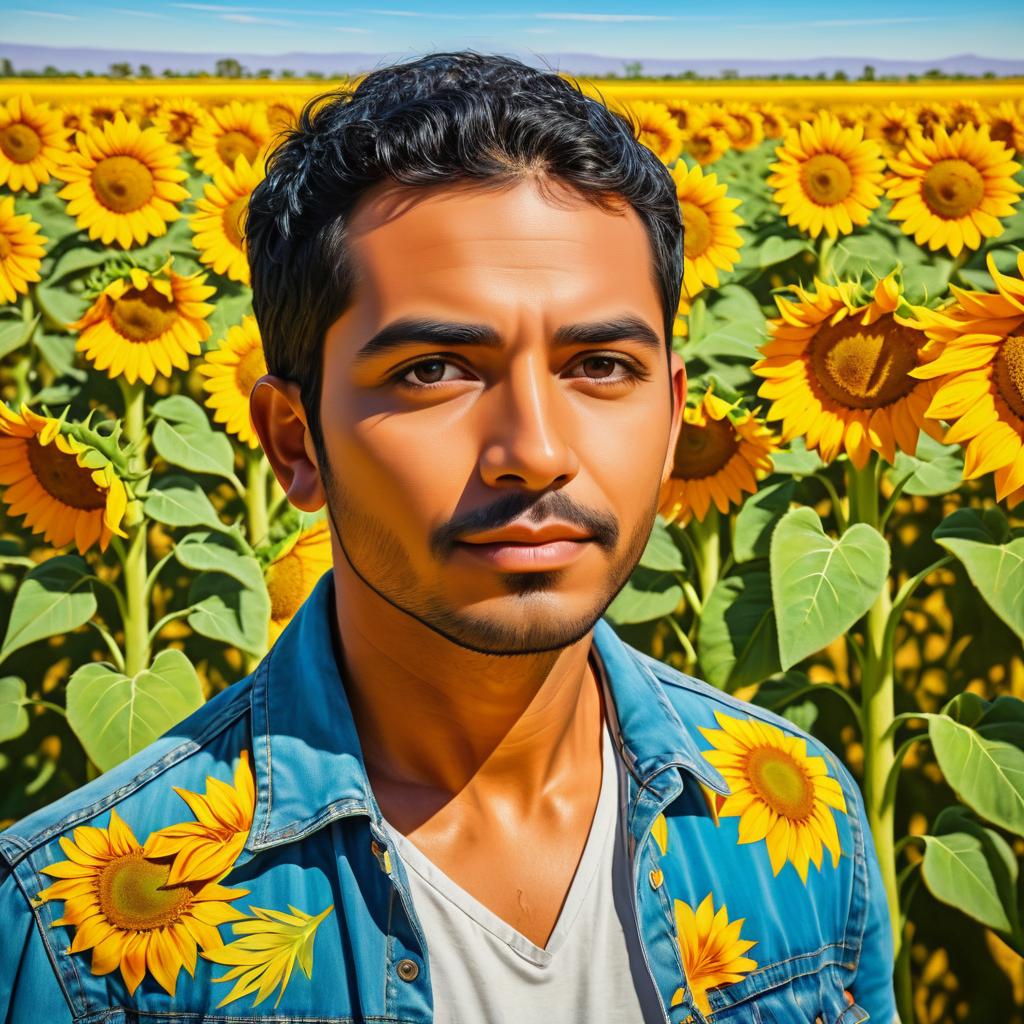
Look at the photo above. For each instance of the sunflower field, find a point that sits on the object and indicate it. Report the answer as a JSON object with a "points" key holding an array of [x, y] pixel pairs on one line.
{"points": [[842, 538]]}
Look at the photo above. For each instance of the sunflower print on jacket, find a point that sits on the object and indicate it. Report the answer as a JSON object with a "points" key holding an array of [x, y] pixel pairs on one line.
{"points": [[156, 906], [781, 794]]}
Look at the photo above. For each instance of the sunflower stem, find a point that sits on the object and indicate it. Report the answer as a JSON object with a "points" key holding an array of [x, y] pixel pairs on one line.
{"points": [[707, 547], [256, 510], [136, 624], [877, 712], [825, 257], [684, 640]]}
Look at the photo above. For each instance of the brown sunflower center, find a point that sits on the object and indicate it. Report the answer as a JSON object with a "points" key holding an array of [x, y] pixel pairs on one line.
{"points": [[894, 132], [143, 315], [122, 183], [285, 585], [1008, 373], [780, 782], [251, 367], [1001, 129], [697, 230], [952, 188], [703, 450], [5, 246], [699, 144], [234, 220], [60, 475], [134, 895], [744, 129], [20, 142], [826, 179], [865, 367], [180, 126], [230, 144]]}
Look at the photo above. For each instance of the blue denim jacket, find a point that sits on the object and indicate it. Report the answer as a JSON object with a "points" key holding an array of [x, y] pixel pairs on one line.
{"points": [[237, 870]]}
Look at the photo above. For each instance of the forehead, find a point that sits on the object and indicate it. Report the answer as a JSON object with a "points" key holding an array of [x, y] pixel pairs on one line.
{"points": [[510, 242]]}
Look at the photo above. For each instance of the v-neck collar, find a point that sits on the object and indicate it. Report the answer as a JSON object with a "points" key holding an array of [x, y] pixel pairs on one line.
{"points": [[602, 831]]}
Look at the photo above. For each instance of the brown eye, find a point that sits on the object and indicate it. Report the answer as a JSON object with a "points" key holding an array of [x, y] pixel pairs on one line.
{"points": [[430, 371], [605, 362]]}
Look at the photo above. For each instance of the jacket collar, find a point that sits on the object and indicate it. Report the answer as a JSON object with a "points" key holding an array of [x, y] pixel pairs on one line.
{"points": [[307, 757]]}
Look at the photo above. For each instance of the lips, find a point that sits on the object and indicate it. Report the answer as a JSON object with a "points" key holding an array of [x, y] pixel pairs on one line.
{"points": [[517, 556]]}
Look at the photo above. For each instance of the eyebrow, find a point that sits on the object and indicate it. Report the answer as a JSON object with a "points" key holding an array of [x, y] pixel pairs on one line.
{"points": [[410, 330]]}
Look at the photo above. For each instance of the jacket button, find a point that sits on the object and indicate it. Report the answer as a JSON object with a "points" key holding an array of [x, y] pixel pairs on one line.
{"points": [[407, 970], [656, 877]]}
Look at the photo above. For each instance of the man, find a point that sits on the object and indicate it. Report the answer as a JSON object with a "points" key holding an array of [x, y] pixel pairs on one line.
{"points": [[450, 792]]}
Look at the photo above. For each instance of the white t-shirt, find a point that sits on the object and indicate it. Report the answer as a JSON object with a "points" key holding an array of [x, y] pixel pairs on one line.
{"points": [[592, 970]]}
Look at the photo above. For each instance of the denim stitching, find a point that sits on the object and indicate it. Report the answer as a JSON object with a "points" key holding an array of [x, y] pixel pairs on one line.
{"points": [[36, 912], [147, 774]]}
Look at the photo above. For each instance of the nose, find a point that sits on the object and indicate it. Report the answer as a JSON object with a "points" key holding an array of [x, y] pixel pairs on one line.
{"points": [[530, 430]]}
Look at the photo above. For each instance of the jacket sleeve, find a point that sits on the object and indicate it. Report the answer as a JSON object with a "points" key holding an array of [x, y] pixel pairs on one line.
{"points": [[29, 989], [873, 986]]}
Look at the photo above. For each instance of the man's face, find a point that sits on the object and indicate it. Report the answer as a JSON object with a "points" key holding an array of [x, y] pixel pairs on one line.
{"points": [[434, 439]]}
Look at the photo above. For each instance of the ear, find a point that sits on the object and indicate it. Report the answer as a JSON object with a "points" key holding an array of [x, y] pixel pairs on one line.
{"points": [[279, 419], [679, 385]]}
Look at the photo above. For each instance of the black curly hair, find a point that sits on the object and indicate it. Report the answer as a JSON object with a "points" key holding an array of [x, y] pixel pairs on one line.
{"points": [[442, 118]]}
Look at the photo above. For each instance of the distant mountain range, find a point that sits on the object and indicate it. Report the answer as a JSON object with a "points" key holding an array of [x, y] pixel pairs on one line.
{"points": [[36, 58]]}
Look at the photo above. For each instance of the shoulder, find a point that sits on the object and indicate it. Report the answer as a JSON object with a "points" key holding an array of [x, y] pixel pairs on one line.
{"points": [[182, 757], [699, 704]]}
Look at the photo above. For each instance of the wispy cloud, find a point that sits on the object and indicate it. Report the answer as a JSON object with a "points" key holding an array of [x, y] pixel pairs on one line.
{"points": [[138, 14], [387, 12], [252, 19], [849, 22], [347, 28], [46, 14], [569, 16]]}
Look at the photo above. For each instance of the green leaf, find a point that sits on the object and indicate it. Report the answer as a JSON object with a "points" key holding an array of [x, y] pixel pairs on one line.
{"points": [[13, 716], [647, 595], [194, 449], [738, 643], [180, 501], [54, 598], [209, 552], [935, 468], [821, 587], [77, 259], [661, 551], [115, 715], [757, 518], [181, 409], [996, 567], [987, 775], [797, 460], [974, 869], [15, 333], [230, 612], [777, 250], [738, 340]]}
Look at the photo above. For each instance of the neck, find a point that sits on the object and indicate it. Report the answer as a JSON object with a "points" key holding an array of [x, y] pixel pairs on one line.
{"points": [[442, 721]]}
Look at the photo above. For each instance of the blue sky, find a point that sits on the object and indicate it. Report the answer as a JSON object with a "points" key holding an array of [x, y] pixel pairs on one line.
{"points": [[643, 28]]}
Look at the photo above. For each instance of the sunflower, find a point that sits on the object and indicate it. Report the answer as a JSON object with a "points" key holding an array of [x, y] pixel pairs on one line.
{"points": [[123, 908], [980, 366], [178, 119], [774, 121], [122, 182], [951, 190], [283, 112], [960, 113], [711, 948], [780, 794], [892, 126], [294, 572], [270, 944], [1006, 125], [146, 323], [745, 127], [207, 847], [21, 251], [929, 116], [66, 490], [229, 130], [827, 177], [657, 129], [682, 110], [32, 143], [716, 459], [219, 225], [75, 118], [232, 370], [105, 109], [838, 372], [709, 227], [705, 142]]}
